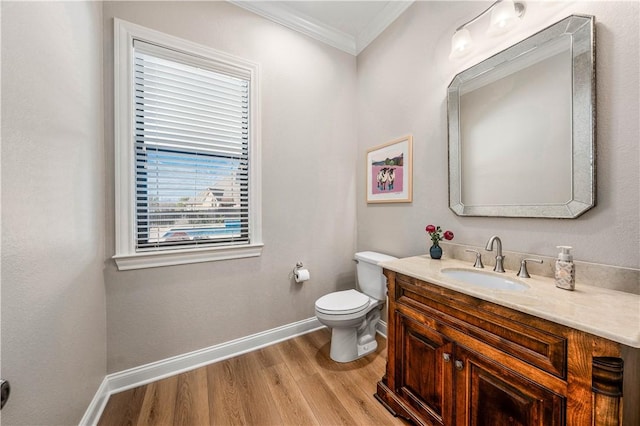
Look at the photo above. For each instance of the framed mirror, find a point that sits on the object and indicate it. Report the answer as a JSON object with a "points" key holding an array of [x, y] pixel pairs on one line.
{"points": [[522, 127]]}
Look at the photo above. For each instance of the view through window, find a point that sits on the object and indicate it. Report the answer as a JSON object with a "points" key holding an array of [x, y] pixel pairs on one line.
{"points": [[191, 152]]}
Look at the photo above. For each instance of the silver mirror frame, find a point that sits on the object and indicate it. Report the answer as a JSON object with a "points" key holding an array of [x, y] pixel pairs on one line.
{"points": [[581, 29]]}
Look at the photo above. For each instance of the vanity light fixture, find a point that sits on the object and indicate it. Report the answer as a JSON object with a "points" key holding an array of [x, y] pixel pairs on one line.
{"points": [[505, 14]]}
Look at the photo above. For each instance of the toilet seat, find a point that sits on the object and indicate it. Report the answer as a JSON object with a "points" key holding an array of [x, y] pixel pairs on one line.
{"points": [[342, 303]]}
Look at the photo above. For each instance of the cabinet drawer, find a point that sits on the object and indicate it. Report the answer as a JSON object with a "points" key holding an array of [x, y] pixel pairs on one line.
{"points": [[512, 332]]}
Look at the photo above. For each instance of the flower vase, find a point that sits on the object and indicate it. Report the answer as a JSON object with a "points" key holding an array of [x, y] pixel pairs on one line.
{"points": [[435, 252]]}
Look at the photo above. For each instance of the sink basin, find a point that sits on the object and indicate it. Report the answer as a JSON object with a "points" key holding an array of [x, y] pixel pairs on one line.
{"points": [[484, 279]]}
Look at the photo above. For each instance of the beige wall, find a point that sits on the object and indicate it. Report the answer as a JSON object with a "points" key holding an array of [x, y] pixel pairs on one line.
{"points": [[402, 81], [53, 299], [308, 178]]}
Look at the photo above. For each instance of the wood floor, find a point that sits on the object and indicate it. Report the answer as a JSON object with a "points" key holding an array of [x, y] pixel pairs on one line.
{"points": [[290, 383]]}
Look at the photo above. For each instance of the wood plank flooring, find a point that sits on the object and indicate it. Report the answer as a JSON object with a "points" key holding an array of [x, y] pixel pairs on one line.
{"points": [[294, 382]]}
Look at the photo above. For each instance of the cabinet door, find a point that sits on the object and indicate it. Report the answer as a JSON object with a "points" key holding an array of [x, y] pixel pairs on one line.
{"points": [[487, 394], [423, 371]]}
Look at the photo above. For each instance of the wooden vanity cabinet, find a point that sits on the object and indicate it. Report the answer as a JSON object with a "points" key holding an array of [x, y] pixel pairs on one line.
{"points": [[423, 371], [490, 394], [458, 360]]}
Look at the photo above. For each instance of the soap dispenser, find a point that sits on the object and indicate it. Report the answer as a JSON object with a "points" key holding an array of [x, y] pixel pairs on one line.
{"points": [[565, 269]]}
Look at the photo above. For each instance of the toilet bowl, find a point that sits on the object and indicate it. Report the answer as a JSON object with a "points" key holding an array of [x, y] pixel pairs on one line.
{"points": [[353, 315]]}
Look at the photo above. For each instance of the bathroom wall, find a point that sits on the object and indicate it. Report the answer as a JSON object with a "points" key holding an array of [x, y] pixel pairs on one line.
{"points": [[308, 179], [53, 299], [402, 81]]}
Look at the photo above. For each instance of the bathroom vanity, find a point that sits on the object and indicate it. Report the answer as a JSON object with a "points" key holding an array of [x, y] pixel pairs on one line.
{"points": [[461, 354]]}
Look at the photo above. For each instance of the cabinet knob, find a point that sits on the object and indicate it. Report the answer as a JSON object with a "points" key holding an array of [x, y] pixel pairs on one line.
{"points": [[446, 357], [459, 365]]}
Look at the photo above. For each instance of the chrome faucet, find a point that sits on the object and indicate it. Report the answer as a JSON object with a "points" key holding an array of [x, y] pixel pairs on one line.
{"points": [[499, 256]]}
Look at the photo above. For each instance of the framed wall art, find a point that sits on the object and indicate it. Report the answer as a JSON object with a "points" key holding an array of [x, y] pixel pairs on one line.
{"points": [[389, 172]]}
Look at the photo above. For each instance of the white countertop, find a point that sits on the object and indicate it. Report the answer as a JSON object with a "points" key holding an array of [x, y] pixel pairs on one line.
{"points": [[611, 314]]}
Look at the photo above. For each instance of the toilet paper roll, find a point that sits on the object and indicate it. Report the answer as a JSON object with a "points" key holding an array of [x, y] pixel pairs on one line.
{"points": [[302, 275]]}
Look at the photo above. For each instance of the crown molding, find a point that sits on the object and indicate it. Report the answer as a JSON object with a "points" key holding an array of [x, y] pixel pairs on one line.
{"points": [[290, 18], [281, 14], [382, 20]]}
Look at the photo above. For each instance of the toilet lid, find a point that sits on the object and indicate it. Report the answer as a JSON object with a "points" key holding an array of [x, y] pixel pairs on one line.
{"points": [[342, 302]]}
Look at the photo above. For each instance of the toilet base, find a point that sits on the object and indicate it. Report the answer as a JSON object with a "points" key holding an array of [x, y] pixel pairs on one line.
{"points": [[351, 343]]}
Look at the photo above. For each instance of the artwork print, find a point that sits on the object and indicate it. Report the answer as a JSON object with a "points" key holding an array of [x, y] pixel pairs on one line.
{"points": [[389, 172]]}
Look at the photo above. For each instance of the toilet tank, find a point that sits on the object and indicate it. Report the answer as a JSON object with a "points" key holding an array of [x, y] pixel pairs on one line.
{"points": [[370, 279]]}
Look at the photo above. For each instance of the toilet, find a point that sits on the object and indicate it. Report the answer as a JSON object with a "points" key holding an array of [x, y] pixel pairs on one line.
{"points": [[353, 315]]}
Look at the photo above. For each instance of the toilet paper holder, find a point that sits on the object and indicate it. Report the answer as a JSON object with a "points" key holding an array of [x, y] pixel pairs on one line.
{"points": [[300, 274]]}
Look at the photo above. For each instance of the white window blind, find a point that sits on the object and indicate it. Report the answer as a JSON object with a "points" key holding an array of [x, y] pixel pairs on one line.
{"points": [[191, 151]]}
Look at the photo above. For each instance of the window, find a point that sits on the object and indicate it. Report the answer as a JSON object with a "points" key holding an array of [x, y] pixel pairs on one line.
{"points": [[187, 152]]}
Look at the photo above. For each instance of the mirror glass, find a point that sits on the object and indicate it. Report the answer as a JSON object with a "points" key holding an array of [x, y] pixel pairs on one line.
{"points": [[521, 128]]}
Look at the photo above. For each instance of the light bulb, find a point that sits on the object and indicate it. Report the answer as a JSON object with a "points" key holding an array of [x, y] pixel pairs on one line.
{"points": [[503, 17], [461, 43]]}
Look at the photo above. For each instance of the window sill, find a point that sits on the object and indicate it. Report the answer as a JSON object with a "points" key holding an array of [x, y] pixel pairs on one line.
{"points": [[184, 257]]}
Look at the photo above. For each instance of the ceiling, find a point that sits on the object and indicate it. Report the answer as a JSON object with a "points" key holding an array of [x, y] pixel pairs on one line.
{"points": [[347, 25]]}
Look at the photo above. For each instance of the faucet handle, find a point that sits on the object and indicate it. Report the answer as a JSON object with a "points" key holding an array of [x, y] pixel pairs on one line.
{"points": [[478, 263], [523, 273]]}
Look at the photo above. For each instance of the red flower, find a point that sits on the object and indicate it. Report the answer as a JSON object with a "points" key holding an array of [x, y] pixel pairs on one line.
{"points": [[435, 233]]}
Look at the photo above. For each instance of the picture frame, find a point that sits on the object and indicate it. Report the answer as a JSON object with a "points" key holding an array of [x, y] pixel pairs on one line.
{"points": [[389, 172]]}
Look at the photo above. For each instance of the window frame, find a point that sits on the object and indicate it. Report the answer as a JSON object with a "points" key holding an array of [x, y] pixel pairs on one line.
{"points": [[126, 256]]}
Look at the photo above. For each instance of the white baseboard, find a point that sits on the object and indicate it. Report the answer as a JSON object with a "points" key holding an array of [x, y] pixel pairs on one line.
{"points": [[144, 374], [99, 401], [381, 328]]}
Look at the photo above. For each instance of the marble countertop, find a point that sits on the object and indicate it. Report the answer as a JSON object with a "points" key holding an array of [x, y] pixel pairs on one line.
{"points": [[611, 314]]}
